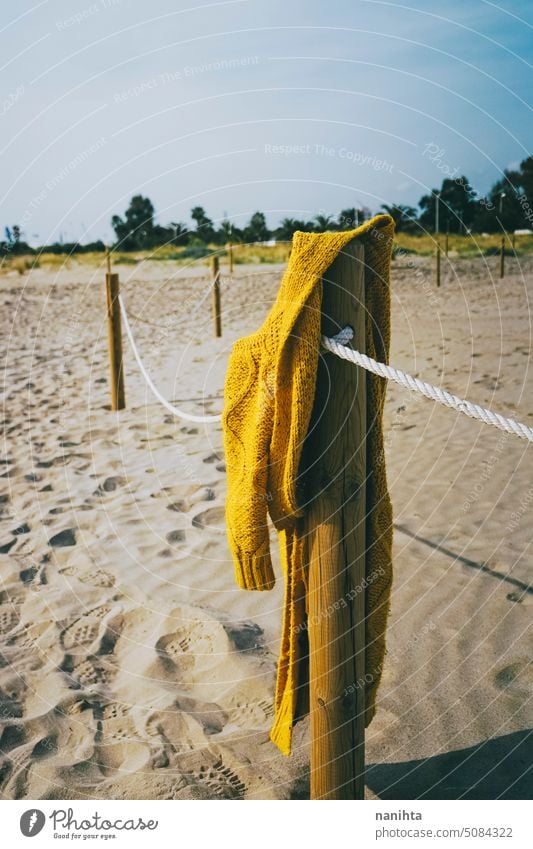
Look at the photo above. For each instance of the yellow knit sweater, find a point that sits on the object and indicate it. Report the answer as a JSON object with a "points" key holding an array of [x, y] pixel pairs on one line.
{"points": [[268, 399]]}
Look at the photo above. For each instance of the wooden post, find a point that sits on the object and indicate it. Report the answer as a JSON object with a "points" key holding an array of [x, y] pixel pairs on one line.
{"points": [[502, 258], [446, 244], [334, 472], [216, 296], [230, 252], [437, 209], [114, 328]]}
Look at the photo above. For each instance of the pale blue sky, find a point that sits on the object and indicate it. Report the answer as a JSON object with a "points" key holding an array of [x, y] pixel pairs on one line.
{"points": [[312, 106]]}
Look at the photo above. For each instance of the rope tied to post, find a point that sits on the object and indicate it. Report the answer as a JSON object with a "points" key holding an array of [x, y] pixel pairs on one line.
{"points": [[337, 345]]}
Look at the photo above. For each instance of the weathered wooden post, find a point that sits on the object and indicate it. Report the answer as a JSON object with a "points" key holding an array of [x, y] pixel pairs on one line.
{"points": [[114, 330], [215, 271], [230, 254], [334, 532], [502, 258], [437, 209]]}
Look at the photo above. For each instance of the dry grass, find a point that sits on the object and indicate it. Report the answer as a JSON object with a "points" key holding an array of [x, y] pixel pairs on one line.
{"points": [[423, 245], [463, 246], [21, 264]]}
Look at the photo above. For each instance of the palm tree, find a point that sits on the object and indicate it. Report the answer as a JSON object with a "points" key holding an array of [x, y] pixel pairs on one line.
{"points": [[287, 228], [404, 216], [323, 222]]}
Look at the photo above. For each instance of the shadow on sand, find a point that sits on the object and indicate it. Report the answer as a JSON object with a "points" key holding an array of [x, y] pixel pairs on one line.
{"points": [[501, 768]]}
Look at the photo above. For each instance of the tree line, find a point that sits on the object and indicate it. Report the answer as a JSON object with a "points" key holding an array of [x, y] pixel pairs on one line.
{"points": [[460, 210]]}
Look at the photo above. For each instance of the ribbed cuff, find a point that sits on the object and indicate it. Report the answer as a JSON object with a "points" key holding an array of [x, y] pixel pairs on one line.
{"points": [[254, 571]]}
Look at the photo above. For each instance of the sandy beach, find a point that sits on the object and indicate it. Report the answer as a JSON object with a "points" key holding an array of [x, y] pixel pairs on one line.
{"points": [[131, 665]]}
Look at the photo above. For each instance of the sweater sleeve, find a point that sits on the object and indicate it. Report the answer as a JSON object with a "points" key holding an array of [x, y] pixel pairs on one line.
{"points": [[247, 423]]}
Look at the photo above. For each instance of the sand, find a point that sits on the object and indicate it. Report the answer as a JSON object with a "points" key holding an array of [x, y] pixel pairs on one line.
{"points": [[131, 664]]}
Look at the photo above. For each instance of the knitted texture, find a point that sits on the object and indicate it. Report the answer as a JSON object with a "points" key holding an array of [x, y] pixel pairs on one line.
{"points": [[268, 400]]}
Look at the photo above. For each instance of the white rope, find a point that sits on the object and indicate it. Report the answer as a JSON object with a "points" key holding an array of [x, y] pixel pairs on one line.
{"points": [[188, 417], [337, 346]]}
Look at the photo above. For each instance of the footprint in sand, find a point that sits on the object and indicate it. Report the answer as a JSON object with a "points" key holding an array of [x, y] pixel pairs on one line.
{"points": [[83, 632], [93, 629], [246, 636], [519, 596], [179, 506], [175, 536], [212, 458], [12, 694], [14, 772], [110, 484], [94, 577], [210, 715], [161, 786], [63, 538], [29, 642], [9, 617], [60, 460], [249, 713], [195, 646], [94, 672], [118, 747], [97, 433], [12, 737], [208, 771], [115, 710], [490, 382], [172, 733], [213, 518], [516, 678]]}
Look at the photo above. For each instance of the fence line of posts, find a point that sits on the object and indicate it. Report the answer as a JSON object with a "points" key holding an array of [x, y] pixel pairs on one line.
{"points": [[446, 243], [438, 253], [114, 328]]}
